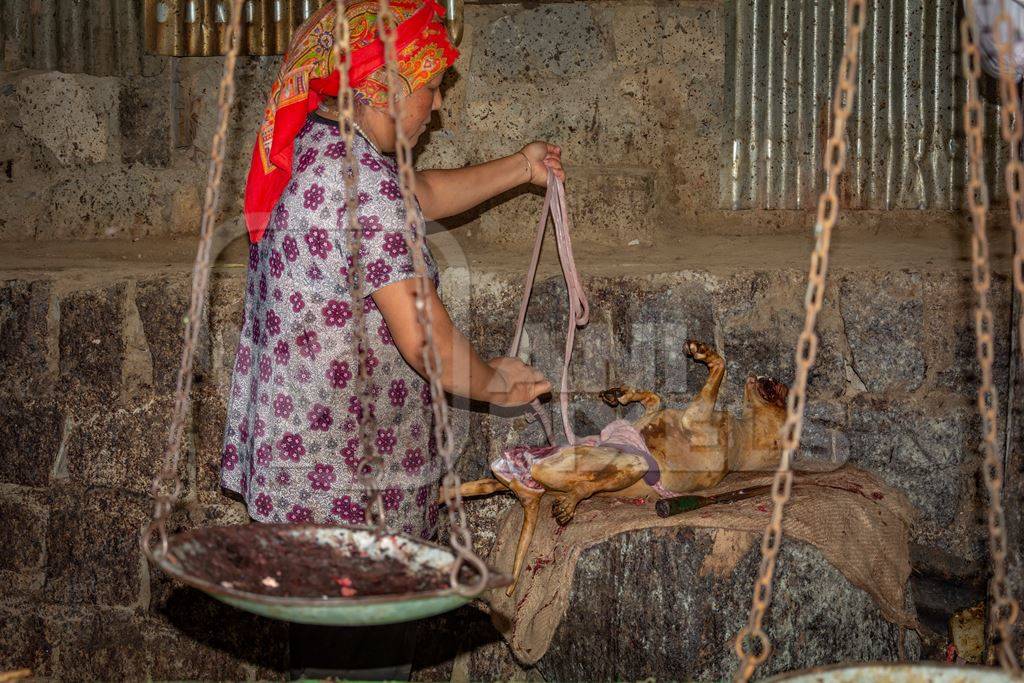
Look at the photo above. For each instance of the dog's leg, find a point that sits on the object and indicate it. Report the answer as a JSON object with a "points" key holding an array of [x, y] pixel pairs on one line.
{"points": [[703, 404], [620, 396], [583, 471], [530, 500], [564, 509], [480, 487]]}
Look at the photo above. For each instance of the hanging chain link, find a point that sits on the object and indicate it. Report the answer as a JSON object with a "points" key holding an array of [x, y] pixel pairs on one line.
{"points": [[1003, 608], [167, 483], [1005, 33], [461, 539], [752, 643], [369, 463]]}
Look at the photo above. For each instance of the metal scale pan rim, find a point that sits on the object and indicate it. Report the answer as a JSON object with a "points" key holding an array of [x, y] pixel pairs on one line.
{"points": [[189, 548], [896, 672]]}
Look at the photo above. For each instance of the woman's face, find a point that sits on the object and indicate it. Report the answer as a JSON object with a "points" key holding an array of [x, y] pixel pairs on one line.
{"points": [[418, 108], [416, 111]]}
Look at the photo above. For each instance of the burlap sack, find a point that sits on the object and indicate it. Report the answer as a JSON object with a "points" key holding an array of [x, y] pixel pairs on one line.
{"points": [[859, 524]]}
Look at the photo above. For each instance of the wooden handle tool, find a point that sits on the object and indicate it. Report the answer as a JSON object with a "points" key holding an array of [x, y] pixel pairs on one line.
{"points": [[667, 507]]}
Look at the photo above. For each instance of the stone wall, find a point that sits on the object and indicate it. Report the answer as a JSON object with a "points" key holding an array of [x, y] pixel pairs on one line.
{"points": [[89, 355], [896, 370], [631, 90], [89, 367]]}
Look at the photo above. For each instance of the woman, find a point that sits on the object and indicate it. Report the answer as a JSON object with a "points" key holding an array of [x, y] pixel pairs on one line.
{"points": [[291, 442]]}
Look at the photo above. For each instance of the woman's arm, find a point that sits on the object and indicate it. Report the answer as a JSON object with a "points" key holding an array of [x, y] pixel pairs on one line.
{"points": [[449, 192], [501, 381]]}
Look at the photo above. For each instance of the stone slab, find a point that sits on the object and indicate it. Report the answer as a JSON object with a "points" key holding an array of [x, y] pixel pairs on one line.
{"points": [[72, 116], [163, 305], [92, 345], [144, 120], [122, 447], [24, 512], [22, 535], [23, 642], [93, 554], [112, 644], [694, 601], [30, 440], [25, 357]]}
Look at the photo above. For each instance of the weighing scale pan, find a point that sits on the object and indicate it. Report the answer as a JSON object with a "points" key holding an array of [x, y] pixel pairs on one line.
{"points": [[316, 574]]}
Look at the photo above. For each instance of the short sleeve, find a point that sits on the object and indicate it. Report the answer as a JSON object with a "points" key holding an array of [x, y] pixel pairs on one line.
{"points": [[385, 257]]}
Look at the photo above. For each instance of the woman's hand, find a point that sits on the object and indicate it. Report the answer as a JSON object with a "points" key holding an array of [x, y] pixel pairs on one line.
{"points": [[543, 156], [502, 381], [515, 383]]}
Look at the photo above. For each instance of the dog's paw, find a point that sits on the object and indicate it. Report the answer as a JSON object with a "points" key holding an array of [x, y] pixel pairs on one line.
{"points": [[611, 396], [562, 511], [698, 351]]}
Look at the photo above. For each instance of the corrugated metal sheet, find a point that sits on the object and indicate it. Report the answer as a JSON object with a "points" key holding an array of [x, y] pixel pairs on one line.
{"points": [[905, 136], [199, 27], [99, 37], [110, 37]]}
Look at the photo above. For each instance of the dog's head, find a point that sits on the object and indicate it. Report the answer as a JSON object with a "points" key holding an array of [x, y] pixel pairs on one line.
{"points": [[765, 391]]}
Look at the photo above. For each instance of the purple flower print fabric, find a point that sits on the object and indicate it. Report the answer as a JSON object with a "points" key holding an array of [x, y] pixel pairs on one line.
{"points": [[291, 445]]}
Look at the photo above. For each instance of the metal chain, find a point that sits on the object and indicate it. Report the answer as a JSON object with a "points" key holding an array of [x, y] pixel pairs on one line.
{"points": [[752, 643], [460, 537], [167, 484], [1003, 608], [369, 463]]}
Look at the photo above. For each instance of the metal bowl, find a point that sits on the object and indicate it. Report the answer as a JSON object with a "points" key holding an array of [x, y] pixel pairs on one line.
{"points": [[889, 672], [283, 571]]}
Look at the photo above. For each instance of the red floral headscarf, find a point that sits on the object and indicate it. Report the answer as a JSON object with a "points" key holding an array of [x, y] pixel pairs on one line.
{"points": [[309, 74]]}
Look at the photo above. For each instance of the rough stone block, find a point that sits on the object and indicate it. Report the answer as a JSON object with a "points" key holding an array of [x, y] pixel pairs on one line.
{"points": [[102, 644], [123, 447], [92, 346], [950, 344], [210, 411], [200, 84], [23, 642], [682, 624], [72, 116], [163, 305], [227, 308], [30, 438], [114, 201], [471, 438], [25, 368], [22, 535], [650, 325], [93, 554], [506, 112], [761, 317], [21, 205], [928, 450], [630, 27], [111, 644], [557, 41], [824, 440], [884, 321], [692, 34], [144, 118]]}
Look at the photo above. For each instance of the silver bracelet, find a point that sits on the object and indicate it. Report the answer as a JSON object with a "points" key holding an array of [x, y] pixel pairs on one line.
{"points": [[529, 166]]}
